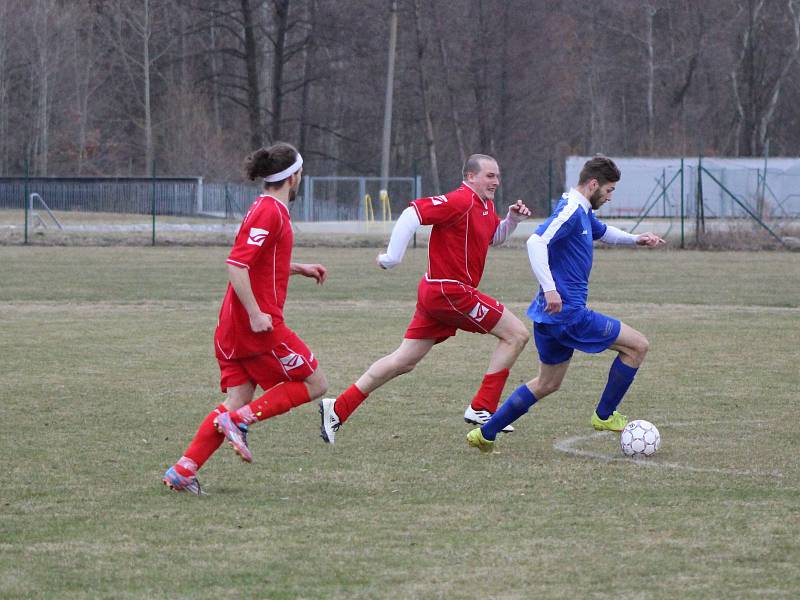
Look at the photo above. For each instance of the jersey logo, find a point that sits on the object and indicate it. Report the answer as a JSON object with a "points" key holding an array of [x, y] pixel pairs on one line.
{"points": [[584, 232], [257, 236], [486, 212], [437, 200], [292, 361], [478, 312]]}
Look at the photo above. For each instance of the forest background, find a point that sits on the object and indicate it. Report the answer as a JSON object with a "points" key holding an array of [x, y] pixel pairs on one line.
{"points": [[114, 87]]}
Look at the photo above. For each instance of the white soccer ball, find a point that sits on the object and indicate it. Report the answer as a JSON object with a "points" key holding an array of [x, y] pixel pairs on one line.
{"points": [[639, 437]]}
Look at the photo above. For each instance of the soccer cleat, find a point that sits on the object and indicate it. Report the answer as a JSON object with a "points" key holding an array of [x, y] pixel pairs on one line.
{"points": [[479, 417], [236, 438], [616, 422], [330, 422], [476, 440], [177, 482]]}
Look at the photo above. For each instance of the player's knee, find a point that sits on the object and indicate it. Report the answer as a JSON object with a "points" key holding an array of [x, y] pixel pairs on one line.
{"points": [[548, 387], [641, 348], [404, 365], [518, 336], [317, 386]]}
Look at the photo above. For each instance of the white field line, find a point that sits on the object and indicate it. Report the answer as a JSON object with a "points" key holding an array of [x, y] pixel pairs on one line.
{"points": [[566, 445]]}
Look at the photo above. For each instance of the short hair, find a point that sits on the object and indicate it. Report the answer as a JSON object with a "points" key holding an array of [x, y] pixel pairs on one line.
{"points": [[473, 163], [601, 168], [268, 161]]}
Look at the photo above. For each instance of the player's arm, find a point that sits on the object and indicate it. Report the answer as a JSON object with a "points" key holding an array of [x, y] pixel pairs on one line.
{"points": [[403, 230], [517, 213], [540, 263], [240, 280], [614, 235], [314, 271]]}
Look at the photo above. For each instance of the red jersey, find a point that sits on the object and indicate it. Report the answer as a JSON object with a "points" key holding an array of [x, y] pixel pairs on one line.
{"points": [[463, 228], [263, 246]]}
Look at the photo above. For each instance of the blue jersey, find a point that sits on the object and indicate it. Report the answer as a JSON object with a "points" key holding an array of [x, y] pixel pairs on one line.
{"points": [[569, 233]]}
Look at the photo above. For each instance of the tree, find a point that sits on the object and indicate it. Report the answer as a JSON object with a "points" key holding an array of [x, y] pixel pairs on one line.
{"points": [[763, 65]]}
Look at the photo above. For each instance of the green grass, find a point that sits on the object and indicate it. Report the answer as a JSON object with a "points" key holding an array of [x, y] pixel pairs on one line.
{"points": [[107, 369]]}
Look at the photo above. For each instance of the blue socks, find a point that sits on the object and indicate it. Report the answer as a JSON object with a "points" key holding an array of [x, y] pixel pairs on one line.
{"points": [[620, 378], [512, 409]]}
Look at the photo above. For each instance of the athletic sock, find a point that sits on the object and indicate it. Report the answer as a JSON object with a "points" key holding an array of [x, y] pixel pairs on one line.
{"points": [[620, 378], [516, 405], [488, 395], [349, 400], [203, 445], [275, 401]]}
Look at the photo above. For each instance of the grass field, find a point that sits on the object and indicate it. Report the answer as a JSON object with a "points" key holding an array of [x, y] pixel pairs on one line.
{"points": [[107, 368]]}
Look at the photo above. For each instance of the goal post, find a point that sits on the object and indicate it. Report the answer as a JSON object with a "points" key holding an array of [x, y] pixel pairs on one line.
{"points": [[335, 198]]}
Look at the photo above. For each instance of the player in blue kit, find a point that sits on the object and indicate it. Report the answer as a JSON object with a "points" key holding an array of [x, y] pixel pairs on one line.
{"points": [[560, 251]]}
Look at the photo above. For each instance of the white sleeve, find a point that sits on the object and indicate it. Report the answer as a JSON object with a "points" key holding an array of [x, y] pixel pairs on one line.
{"points": [[537, 254], [402, 232], [504, 229], [614, 235]]}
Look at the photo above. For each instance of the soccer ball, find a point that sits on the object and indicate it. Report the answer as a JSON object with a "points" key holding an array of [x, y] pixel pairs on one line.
{"points": [[639, 437]]}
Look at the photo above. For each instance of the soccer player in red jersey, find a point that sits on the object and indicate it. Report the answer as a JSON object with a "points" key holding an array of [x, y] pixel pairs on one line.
{"points": [[464, 226], [253, 344]]}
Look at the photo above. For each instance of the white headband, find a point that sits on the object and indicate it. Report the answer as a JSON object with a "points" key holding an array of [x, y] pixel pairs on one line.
{"points": [[294, 168]]}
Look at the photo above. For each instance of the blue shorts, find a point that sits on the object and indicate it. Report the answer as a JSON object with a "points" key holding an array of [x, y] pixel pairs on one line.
{"points": [[590, 332]]}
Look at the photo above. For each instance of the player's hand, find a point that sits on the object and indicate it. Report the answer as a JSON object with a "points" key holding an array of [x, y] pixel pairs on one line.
{"points": [[553, 299], [384, 262], [649, 239], [518, 211], [316, 272], [260, 322]]}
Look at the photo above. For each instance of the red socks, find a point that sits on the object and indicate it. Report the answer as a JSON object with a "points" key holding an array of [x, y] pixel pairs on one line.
{"points": [[348, 402], [488, 395], [205, 443], [275, 401]]}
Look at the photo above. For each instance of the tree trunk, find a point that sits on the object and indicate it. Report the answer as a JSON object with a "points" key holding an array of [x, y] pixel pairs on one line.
{"points": [[279, 60], [251, 62], [454, 116], [4, 107], [650, 13], [430, 139], [308, 58], [43, 96], [148, 113]]}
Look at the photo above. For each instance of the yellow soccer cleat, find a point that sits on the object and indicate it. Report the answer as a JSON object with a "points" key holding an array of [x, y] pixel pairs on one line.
{"points": [[476, 440], [616, 422]]}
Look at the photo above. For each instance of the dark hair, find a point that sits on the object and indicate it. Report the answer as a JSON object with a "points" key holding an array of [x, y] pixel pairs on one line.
{"points": [[601, 168], [268, 161], [473, 163]]}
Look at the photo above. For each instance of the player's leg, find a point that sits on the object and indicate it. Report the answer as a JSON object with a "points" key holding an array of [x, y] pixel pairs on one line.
{"points": [[206, 441], [335, 411], [290, 375], [632, 347], [518, 403], [511, 337]]}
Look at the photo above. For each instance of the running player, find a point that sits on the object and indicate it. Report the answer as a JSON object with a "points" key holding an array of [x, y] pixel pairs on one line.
{"points": [[560, 251], [252, 343], [464, 226]]}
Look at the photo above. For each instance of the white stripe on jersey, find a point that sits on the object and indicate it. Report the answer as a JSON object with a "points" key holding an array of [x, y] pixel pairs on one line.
{"points": [[569, 209]]}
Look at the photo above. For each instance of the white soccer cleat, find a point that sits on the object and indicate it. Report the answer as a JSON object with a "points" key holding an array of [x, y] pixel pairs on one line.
{"points": [[330, 422], [479, 417]]}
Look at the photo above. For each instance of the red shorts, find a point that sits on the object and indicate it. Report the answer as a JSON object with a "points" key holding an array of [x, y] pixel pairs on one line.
{"points": [[290, 360], [444, 307]]}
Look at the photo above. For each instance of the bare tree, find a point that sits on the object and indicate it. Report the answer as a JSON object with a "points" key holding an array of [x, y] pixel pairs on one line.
{"points": [[132, 33], [430, 138], [761, 70]]}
